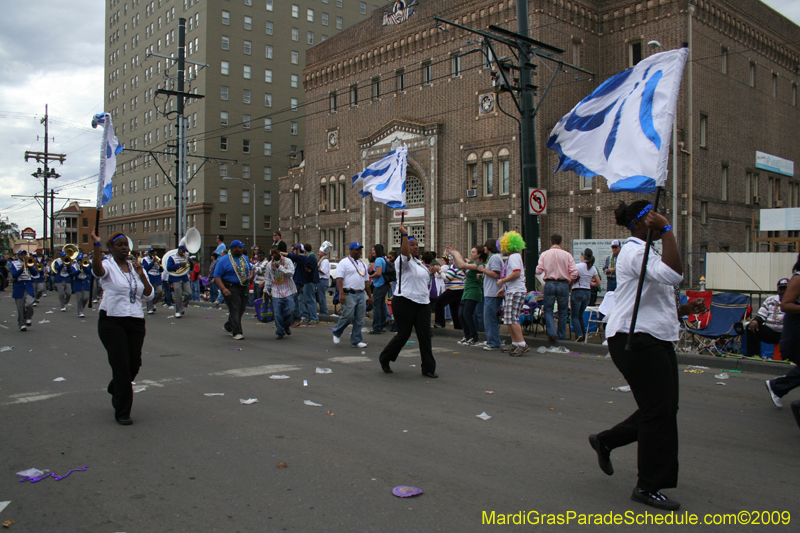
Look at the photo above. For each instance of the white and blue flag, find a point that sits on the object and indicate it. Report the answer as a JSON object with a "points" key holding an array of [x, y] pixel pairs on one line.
{"points": [[108, 157], [385, 180], [622, 131]]}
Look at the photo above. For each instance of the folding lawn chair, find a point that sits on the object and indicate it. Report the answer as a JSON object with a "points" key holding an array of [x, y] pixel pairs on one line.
{"points": [[720, 336]]}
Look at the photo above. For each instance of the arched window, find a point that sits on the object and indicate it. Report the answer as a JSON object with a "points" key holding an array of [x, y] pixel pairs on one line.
{"points": [[415, 192]]}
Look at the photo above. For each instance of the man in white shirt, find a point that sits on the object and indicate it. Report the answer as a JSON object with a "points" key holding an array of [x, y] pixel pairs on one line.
{"points": [[351, 282], [324, 281]]}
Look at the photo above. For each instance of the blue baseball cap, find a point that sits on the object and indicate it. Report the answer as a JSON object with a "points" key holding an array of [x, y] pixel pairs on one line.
{"points": [[80, 256], [182, 247], [25, 252], [356, 245], [238, 243], [62, 254], [151, 250], [783, 282]]}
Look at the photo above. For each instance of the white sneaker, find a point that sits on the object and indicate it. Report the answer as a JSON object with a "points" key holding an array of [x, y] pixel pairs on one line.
{"points": [[35, 304], [81, 315], [23, 328], [28, 322], [336, 339], [481, 344], [463, 340], [775, 398], [361, 345], [150, 312], [238, 336], [178, 315], [63, 309]]}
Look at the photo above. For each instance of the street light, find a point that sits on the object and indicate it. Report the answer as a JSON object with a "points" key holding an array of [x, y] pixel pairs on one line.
{"points": [[253, 201]]}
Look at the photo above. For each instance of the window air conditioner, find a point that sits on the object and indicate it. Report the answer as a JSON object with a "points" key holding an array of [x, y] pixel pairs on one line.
{"points": [[778, 203], [472, 193], [322, 207], [756, 200]]}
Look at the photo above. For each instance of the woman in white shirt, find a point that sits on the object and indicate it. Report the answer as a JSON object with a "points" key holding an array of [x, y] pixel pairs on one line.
{"points": [[582, 291], [121, 324], [411, 307], [650, 366]]}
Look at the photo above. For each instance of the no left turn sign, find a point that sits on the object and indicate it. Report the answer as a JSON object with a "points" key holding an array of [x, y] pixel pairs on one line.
{"points": [[537, 201]]}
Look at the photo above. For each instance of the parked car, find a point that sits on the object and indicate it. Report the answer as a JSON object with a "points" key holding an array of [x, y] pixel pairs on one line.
{"points": [[333, 273]]}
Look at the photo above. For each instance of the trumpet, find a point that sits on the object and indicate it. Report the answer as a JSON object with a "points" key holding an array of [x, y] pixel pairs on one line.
{"points": [[85, 263], [39, 266], [29, 262]]}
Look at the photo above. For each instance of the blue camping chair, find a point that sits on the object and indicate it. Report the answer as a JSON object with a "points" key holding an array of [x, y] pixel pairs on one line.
{"points": [[720, 336]]}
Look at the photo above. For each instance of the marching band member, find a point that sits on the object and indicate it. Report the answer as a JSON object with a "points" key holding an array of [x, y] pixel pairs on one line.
{"points": [[233, 275], [23, 289], [153, 267], [181, 287], [81, 283], [63, 280], [37, 277]]}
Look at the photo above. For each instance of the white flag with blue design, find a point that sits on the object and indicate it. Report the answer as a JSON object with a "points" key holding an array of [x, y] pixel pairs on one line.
{"points": [[110, 147], [385, 180], [622, 131]]}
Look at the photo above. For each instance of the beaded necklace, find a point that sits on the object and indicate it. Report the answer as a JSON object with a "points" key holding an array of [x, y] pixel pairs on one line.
{"points": [[239, 268], [132, 283], [358, 268]]}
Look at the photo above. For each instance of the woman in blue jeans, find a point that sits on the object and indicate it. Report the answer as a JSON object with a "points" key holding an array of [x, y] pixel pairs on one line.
{"points": [[582, 291]]}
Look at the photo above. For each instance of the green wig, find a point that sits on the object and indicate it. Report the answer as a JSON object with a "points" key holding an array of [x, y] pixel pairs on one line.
{"points": [[512, 242]]}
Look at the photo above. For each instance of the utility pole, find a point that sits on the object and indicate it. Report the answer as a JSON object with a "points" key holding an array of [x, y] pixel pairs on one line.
{"points": [[522, 94], [182, 146], [44, 158]]}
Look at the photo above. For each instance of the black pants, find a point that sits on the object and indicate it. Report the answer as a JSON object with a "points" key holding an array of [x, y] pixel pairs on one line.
{"points": [[407, 315], [123, 338], [651, 370], [466, 313], [450, 298], [236, 303], [790, 349], [763, 334]]}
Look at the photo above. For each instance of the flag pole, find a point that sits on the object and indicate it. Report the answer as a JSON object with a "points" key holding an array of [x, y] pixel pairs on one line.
{"points": [[400, 273], [91, 282], [648, 243]]}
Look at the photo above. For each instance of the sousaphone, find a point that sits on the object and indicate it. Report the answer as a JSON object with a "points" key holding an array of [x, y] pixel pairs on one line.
{"points": [[72, 252], [192, 240]]}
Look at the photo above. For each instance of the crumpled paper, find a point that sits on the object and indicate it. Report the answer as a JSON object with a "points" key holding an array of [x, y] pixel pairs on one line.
{"points": [[552, 349], [248, 402], [309, 402], [483, 416], [60, 379], [278, 376], [323, 371], [31, 472], [721, 376], [624, 388]]}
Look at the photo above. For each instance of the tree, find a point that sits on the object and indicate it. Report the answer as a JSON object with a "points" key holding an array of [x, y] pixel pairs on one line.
{"points": [[9, 232]]}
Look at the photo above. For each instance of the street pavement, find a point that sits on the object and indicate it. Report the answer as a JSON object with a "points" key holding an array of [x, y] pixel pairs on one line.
{"points": [[200, 463]]}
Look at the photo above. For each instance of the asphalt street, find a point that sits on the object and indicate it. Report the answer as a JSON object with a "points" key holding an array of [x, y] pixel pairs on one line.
{"points": [[192, 462]]}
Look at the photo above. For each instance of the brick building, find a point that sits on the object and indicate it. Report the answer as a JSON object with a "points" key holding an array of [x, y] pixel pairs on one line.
{"points": [[250, 119], [74, 225], [374, 86]]}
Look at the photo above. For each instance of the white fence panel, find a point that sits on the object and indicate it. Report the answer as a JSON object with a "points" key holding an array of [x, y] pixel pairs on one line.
{"points": [[723, 272]]}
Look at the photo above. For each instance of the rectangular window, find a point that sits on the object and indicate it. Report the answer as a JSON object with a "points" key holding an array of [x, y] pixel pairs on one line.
{"points": [[293, 104], [267, 173], [332, 101], [246, 72], [342, 197], [309, 37], [223, 92], [585, 227], [296, 203], [223, 195], [310, 15], [226, 18], [268, 101], [338, 3], [339, 23], [246, 171], [267, 222], [724, 183], [295, 34], [269, 29], [267, 148], [269, 5], [246, 146], [223, 220], [723, 65], [223, 143], [376, 88], [295, 80], [223, 170], [505, 176], [248, 48], [704, 131], [455, 65], [634, 53], [400, 79], [224, 68], [267, 198], [472, 174], [794, 94], [503, 227], [362, 6], [488, 178], [246, 121], [246, 96], [752, 75], [245, 196], [226, 42], [268, 51], [576, 54], [248, 23], [427, 73], [585, 183], [333, 196], [268, 76], [774, 85], [472, 233], [293, 127], [267, 124], [324, 19], [295, 57], [488, 229], [295, 11], [704, 212], [354, 94]]}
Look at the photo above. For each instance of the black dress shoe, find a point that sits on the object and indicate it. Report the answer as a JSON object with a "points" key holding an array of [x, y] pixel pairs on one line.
{"points": [[288, 330], [126, 421], [603, 455], [386, 368], [552, 338], [654, 499], [430, 375]]}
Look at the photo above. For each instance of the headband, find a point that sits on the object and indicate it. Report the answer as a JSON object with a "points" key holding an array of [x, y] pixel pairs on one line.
{"points": [[117, 237], [641, 214]]}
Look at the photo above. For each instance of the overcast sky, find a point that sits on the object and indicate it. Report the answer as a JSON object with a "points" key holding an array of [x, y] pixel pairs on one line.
{"points": [[52, 52]]}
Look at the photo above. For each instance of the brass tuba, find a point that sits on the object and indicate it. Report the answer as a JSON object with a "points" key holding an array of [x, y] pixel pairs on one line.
{"points": [[29, 262]]}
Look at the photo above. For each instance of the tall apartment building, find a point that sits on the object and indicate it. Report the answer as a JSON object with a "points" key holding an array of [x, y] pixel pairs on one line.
{"points": [[376, 86], [252, 111]]}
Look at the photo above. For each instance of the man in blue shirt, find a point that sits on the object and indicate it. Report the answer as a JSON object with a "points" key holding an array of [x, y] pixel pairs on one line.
{"points": [[233, 275], [380, 289], [153, 267], [23, 289], [298, 256], [221, 245], [310, 288], [181, 288]]}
